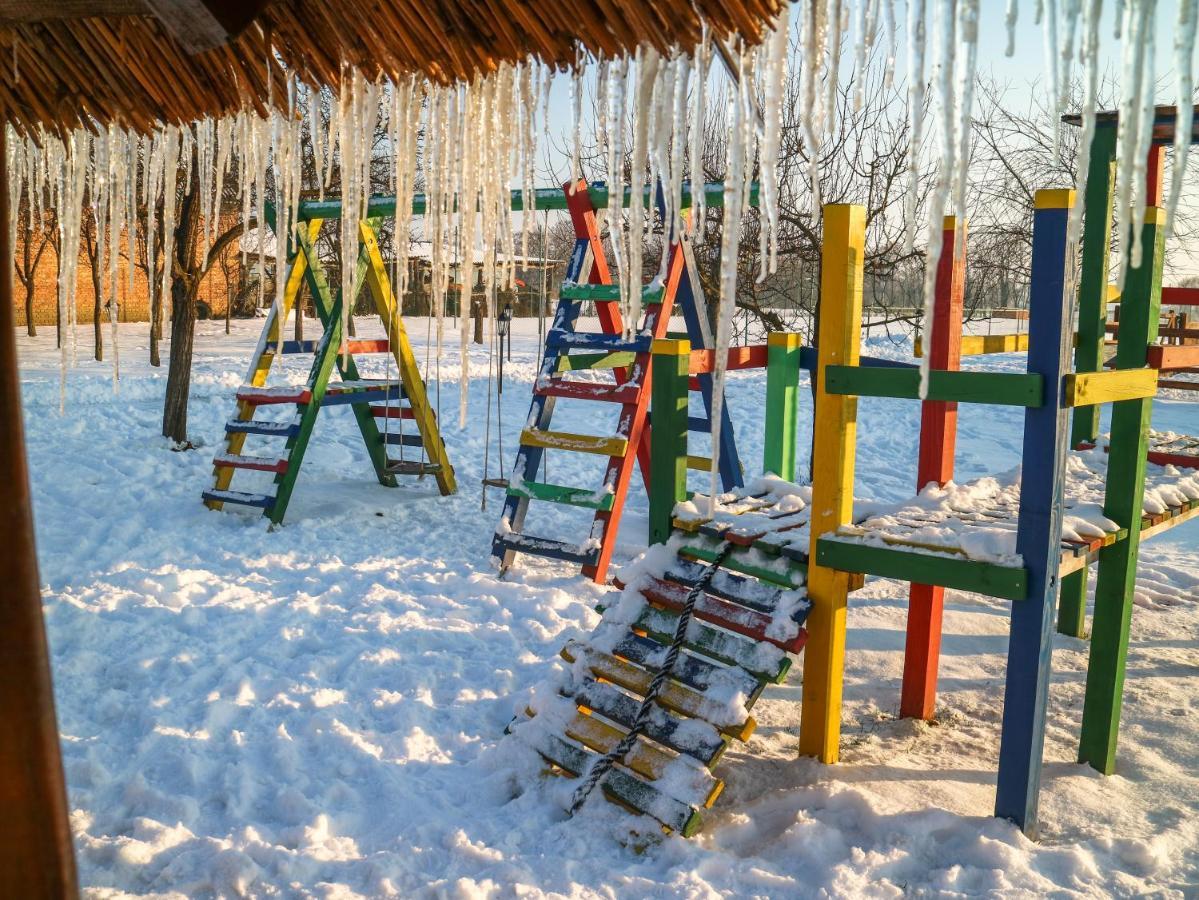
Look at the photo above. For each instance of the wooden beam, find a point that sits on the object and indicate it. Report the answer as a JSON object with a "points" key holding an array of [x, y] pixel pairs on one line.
{"points": [[1180, 296], [924, 568], [1000, 388], [36, 857], [1172, 357], [1094, 388], [204, 24]]}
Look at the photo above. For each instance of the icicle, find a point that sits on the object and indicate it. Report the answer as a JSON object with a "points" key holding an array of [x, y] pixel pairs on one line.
{"points": [[1135, 128], [170, 175], [916, 42], [1052, 67], [1090, 63], [888, 16], [1010, 19], [678, 144], [775, 73], [576, 109], [647, 70], [703, 55], [1184, 46]]}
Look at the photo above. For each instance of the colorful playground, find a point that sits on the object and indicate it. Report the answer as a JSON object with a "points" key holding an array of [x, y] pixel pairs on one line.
{"points": [[615, 597]]}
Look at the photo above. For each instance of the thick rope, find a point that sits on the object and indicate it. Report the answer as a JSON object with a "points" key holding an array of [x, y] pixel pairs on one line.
{"points": [[604, 764]]}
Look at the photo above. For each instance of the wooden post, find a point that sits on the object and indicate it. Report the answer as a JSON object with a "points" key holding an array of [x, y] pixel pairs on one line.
{"points": [[1123, 503], [668, 453], [36, 857], [1039, 534], [782, 401], [938, 438], [835, 429], [1092, 285]]}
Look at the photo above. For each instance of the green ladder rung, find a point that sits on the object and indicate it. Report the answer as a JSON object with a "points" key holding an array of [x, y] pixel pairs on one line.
{"points": [[558, 493], [607, 292], [793, 579]]}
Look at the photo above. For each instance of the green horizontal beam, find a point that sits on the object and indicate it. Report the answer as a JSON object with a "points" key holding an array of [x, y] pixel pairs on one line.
{"points": [[1000, 388], [1005, 582], [547, 198], [558, 493], [792, 579]]}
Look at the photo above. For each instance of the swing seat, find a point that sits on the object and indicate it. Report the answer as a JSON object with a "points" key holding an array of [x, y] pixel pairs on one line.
{"points": [[406, 467]]}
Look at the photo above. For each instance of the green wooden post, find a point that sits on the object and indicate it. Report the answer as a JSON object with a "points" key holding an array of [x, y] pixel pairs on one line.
{"points": [[1092, 286], [1072, 604], [671, 362], [1123, 503], [782, 401]]}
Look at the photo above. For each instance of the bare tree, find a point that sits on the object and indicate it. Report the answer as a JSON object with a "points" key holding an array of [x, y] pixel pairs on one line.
{"points": [[35, 240]]}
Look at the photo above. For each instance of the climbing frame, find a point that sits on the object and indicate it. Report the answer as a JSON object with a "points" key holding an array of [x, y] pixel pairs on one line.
{"points": [[567, 350], [391, 400]]}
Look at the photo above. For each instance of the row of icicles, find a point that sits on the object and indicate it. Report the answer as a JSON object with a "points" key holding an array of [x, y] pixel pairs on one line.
{"points": [[470, 144]]}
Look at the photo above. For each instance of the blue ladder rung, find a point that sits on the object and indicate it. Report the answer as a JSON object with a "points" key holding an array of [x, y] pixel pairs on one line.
{"points": [[562, 339]]}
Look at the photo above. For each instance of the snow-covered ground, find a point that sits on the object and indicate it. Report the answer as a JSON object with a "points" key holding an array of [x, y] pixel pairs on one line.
{"points": [[318, 710]]}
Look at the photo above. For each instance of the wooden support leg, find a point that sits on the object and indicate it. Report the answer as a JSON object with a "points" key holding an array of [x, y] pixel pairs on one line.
{"points": [[36, 857], [832, 483], [782, 404], [938, 440], [1039, 533], [1123, 503], [1092, 285], [668, 459], [1072, 605]]}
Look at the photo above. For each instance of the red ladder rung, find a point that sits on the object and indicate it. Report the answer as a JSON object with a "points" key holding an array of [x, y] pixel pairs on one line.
{"points": [[590, 390], [392, 412]]}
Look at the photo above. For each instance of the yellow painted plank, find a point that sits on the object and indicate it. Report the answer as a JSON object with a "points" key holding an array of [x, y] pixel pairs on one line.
{"points": [[699, 463], [260, 365], [581, 443], [674, 696], [835, 427], [1060, 198], [646, 758], [1093, 388], [414, 386]]}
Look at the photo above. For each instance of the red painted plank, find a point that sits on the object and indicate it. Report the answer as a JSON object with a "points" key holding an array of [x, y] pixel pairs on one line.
{"points": [[1182, 460], [938, 441], [234, 461], [589, 390], [1154, 172], [1172, 358], [392, 412], [268, 396], [731, 616], [371, 346], [1180, 296]]}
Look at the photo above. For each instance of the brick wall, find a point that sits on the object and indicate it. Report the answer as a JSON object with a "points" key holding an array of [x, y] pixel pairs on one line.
{"points": [[213, 293]]}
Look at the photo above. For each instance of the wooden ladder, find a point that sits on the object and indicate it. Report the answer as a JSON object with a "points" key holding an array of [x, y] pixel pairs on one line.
{"points": [[568, 350], [402, 399]]}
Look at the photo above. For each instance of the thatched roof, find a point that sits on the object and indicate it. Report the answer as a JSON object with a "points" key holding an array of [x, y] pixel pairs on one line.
{"points": [[78, 67]]}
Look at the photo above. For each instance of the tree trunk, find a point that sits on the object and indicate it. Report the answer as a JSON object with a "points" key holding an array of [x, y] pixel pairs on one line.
{"points": [[184, 283], [97, 308], [229, 294], [30, 328], [155, 328], [299, 309], [477, 312]]}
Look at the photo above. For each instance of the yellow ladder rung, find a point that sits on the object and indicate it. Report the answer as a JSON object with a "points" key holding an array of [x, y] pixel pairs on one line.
{"points": [[699, 463], [582, 443]]}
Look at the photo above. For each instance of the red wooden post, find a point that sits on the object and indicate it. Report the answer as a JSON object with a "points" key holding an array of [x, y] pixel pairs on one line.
{"points": [[36, 859], [1155, 168], [938, 436]]}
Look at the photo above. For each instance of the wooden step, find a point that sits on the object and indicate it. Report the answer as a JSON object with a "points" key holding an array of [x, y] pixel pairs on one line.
{"points": [[362, 392], [588, 390], [741, 619], [266, 396], [568, 496], [262, 501], [648, 759], [406, 467], [675, 696], [527, 543], [701, 674], [557, 339], [791, 579], [607, 293], [579, 362], [392, 412], [257, 463], [270, 429], [618, 785], [737, 588], [397, 438], [693, 737], [723, 646], [579, 443]]}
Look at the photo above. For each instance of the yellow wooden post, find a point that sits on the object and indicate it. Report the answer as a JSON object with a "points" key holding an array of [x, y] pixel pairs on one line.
{"points": [[414, 387], [835, 428]]}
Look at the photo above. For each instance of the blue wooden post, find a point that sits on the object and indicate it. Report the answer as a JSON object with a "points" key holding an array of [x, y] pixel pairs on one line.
{"points": [[1038, 538]]}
